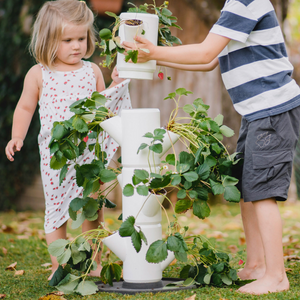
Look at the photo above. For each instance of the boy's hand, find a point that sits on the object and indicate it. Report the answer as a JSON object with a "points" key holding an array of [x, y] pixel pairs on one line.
{"points": [[13, 145], [142, 43], [115, 76]]}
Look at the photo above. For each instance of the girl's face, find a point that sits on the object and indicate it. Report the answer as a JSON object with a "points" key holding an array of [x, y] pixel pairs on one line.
{"points": [[72, 47]]}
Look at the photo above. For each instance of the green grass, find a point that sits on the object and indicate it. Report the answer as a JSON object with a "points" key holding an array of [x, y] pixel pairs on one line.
{"points": [[21, 234]]}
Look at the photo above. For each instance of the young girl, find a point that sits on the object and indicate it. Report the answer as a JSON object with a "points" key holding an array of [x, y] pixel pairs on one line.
{"points": [[63, 35]]}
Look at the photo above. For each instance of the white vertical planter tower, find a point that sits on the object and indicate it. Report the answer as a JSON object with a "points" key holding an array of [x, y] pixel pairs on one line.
{"points": [[128, 131], [150, 27]]}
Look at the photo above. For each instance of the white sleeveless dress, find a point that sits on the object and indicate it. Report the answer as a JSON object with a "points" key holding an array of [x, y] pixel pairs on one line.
{"points": [[60, 90]]}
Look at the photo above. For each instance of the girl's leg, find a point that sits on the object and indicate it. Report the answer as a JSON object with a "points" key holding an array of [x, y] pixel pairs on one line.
{"points": [[270, 228], [60, 233], [89, 225], [255, 262]]}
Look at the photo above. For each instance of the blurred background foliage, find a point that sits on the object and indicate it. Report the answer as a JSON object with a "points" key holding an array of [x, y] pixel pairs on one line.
{"points": [[16, 17]]}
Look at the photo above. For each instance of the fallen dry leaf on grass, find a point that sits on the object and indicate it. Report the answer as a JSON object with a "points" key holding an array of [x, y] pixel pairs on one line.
{"points": [[46, 265], [2, 296], [19, 272], [233, 248], [4, 250], [289, 270], [12, 267], [53, 296], [291, 257], [191, 298]]}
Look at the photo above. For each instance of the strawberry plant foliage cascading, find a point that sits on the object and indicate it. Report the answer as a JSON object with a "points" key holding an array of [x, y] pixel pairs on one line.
{"points": [[205, 167]]}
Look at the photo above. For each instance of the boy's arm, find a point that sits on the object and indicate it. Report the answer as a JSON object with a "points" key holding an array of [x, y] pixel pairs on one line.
{"points": [[203, 68], [202, 53], [24, 111]]}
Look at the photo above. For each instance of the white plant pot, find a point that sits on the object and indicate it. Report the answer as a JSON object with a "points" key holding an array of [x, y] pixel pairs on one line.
{"points": [[150, 26]]}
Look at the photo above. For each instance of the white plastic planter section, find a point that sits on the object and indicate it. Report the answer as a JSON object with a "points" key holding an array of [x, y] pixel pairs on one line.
{"points": [[150, 27], [128, 131]]}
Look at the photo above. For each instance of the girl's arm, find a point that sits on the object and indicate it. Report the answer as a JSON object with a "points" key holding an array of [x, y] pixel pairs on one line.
{"points": [[202, 53], [100, 84], [24, 111], [203, 68]]}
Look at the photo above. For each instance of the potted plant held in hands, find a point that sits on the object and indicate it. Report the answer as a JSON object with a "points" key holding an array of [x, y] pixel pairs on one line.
{"points": [[137, 22]]}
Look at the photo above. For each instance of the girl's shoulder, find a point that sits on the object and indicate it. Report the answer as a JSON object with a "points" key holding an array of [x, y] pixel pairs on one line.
{"points": [[35, 74]]}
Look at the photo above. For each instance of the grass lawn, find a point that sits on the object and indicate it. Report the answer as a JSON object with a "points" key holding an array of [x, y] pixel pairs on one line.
{"points": [[22, 241]]}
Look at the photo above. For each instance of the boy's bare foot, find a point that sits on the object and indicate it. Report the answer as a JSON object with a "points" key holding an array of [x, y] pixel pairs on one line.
{"points": [[252, 273], [265, 285], [96, 273]]}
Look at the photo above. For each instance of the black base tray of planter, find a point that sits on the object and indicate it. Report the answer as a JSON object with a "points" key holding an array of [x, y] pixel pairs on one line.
{"points": [[124, 287]]}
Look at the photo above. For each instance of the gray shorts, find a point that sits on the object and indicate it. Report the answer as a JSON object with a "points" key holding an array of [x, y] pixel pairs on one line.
{"points": [[267, 146]]}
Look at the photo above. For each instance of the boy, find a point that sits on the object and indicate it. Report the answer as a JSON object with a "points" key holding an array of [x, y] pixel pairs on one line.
{"points": [[257, 74]]}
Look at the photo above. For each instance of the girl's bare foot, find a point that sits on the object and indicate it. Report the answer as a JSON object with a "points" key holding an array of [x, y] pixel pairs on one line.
{"points": [[252, 273], [265, 285], [96, 273]]}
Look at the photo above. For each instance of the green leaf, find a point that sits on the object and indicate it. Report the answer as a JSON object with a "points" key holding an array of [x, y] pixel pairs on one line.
{"points": [[148, 135], [176, 179], [219, 119], [127, 227], [90, 208], [216, 187], [89, 171], [157, 148], [182, 206], [203, 171], [232, 194], [143, 237], [109, 204], [182, 168], [170, 159], [57, 247], [80, 125], [136, 241], [191, 176], [64, 257], [54, 147], [77, 203], [63, 173], [173, 243], [157, 252], [182, 91], [207, 278], [202, 193], [229, 181], [86, 288], [72, 213], [201, 209], [128, 190], [181, 194], [107, 175], [141, 174], [226, 131], [214, 126], [59, 131], [79, 220], [189, 108], [69, 154], [142, 146], [142, 190], [226, 279], [105, 34], [68, 284], [58, 275], [57, 165]]}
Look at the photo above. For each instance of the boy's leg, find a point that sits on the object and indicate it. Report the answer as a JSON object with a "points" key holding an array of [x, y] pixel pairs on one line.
{"points": [[60, 233], [270, 228], [255, 262], [89, 225]]}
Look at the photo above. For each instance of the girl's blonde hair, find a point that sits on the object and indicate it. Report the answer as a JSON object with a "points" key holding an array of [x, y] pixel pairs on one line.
{"points": [[49, 25]]}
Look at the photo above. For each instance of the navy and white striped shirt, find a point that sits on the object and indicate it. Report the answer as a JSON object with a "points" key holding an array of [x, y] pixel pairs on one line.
{"points": [[254, 65]]}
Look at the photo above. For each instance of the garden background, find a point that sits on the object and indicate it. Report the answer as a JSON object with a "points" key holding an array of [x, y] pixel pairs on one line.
{"points": [[20, 182]]}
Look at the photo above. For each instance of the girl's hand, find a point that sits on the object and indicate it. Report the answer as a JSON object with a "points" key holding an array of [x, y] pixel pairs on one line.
{"points": [[13, 145], [115, 76], [142, 43]]}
